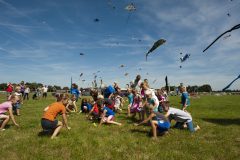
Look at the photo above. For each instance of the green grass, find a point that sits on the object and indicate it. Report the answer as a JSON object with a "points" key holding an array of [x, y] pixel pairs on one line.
{"points": [[219, 137]]}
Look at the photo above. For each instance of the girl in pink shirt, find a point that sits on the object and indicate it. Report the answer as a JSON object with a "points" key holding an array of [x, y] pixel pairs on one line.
{"points": [[7, 107]]}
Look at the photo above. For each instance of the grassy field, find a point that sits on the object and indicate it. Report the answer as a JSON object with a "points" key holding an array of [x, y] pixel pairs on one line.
{"points": [[219, 137]]}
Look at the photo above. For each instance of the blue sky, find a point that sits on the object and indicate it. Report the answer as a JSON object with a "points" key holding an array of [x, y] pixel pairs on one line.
{"points": [[41, 41]]}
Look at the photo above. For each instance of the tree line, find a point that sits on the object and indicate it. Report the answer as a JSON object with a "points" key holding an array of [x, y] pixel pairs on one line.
{"points": [[33, 86]]}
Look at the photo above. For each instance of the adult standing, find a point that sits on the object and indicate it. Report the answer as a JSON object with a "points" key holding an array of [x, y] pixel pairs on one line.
{"points": [[26, 93], [44, 90]]}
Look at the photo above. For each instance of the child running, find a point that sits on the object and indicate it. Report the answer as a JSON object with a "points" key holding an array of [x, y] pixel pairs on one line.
{"points": [[7, 107], [49, 122], [179, 116]]}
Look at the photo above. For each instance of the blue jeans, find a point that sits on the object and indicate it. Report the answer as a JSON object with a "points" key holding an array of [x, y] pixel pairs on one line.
{"points": [[179, 125]]}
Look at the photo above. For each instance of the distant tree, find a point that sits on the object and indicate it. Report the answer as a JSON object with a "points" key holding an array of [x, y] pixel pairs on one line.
{"points": [[205, 88], [50, 88], [65, 88], [3, 86], [57, 87]]}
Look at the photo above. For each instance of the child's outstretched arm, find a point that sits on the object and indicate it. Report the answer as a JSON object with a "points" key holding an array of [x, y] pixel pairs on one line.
{"points": [[45, 109], [146, 120], [75, 106], [103, 115], [65, 121], [12, 117]]}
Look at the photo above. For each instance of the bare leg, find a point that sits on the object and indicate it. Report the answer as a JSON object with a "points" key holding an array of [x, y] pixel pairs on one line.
{"points": [[113, 122], [18, 112], [129, 112], [56, 131], [154, 128], [6, 120]]}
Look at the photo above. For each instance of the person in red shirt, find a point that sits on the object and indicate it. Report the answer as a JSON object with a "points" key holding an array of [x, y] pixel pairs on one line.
{"points": [[49, 122], [9, 89], [94, 113]]}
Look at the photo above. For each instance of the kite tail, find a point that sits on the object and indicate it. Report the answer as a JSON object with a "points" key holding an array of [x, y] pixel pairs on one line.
{"points": [[216, 40], [230, 83]]}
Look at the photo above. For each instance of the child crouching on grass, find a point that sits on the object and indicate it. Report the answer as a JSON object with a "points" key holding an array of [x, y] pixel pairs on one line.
{"points": [[71, 106], [94, 113], [7, 107], [49, 122], [179, 116], [158, 122], [108, 116]]}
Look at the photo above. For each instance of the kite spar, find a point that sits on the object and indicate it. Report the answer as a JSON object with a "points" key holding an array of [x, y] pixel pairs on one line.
{"points": [[234, 28]]}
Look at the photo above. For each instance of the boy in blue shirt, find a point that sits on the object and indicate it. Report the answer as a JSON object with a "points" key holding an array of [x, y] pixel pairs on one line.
{"points": [[108, 116]]}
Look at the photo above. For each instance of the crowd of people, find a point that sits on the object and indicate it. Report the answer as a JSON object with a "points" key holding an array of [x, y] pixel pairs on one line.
{"points": [[143, 105]]}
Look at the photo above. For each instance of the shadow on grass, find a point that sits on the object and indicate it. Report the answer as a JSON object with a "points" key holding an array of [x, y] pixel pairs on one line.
{"points": [[45, 133], [141, 131], [223, 121]]}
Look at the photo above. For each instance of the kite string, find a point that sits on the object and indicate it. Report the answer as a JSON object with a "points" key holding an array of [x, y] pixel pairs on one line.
{"points": [[129, 15]]}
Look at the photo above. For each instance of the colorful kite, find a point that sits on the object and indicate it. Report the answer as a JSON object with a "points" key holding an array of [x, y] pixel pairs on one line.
{"points": [[230, 83], [130, 8], [184, 58], [230, 30], [155, 46]]}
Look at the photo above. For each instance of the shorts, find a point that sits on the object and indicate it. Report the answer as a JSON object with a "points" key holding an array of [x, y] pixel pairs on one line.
{"points": [[48, 125], [163, 126], [3, 116], [109, 118], [16, 106]]}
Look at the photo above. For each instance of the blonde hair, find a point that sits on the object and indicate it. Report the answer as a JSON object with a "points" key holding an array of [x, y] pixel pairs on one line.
{"points": [[12, 97]]}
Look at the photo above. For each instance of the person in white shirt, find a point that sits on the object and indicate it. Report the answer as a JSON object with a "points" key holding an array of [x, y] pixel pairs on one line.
{"points": [[179, 116], [44, 90], [26, 93]]}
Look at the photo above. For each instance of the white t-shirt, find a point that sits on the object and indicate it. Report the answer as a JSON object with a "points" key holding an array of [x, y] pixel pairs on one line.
{"points": [[44, 89], [27, 90], [179, 115]]}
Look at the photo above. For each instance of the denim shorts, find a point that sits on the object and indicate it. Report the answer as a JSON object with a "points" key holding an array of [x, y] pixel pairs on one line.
{"points": [[48, 125]]}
